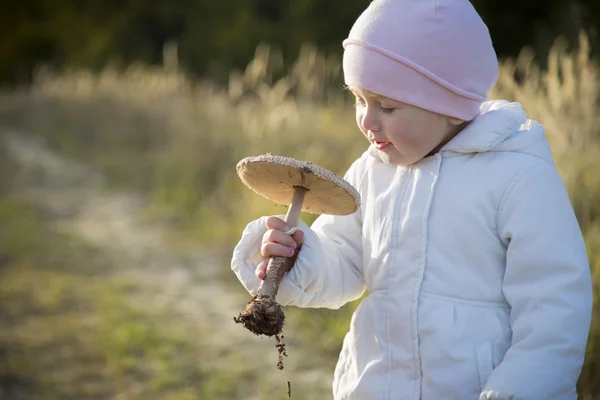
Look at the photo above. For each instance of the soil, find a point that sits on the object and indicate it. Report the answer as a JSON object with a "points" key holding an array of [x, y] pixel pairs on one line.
{"points": [[262, 316]]}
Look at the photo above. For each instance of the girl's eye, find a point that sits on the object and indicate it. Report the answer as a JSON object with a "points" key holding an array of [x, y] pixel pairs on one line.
{"points": [[386, 110]]}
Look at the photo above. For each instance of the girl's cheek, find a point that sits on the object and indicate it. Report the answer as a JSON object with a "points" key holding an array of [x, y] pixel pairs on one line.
{"points": [[407, 139]]}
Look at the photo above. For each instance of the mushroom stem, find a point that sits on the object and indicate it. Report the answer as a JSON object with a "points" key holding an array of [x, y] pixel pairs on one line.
{"points": [[263, 315], [279, 265]]}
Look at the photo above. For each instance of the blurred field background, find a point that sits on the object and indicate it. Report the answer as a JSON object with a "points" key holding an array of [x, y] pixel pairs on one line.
{"points": [[119, 202]]}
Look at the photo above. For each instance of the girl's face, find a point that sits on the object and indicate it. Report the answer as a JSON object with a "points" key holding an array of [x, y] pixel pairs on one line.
{"points": [[402, 133]]}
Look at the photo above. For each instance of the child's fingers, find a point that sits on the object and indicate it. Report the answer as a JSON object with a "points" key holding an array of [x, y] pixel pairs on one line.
{"points": [[277, 236], [261, 269], [277, 223], [276, 242], [271, 249]]}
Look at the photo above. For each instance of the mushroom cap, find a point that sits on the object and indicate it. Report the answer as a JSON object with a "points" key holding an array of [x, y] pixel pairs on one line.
{"points": [[274, 177]]}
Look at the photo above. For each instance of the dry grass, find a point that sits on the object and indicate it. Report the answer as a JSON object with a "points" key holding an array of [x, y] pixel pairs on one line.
{"points": [[178, 142]]}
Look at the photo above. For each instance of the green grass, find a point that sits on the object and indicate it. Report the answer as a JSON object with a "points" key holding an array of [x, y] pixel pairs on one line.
{"points": [[69, 330]]}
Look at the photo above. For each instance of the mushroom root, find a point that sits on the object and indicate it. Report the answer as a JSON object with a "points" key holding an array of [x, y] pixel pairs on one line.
{"points": [[262, 316]]}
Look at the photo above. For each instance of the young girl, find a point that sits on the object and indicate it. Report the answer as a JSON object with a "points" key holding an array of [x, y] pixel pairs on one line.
{"points": [[477, 275]]}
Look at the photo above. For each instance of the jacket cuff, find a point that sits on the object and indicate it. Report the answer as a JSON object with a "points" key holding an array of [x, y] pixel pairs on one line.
{"points": [[246, 256]]}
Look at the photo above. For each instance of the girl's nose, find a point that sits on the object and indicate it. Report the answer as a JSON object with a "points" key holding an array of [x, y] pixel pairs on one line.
{"points": [[369, 120]]}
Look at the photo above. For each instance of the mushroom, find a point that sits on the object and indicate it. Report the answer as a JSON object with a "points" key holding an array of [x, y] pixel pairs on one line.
{"points": [[304, 187]]}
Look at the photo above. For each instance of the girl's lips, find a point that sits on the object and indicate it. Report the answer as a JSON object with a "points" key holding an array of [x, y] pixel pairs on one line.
{"points": [[381, 145]]}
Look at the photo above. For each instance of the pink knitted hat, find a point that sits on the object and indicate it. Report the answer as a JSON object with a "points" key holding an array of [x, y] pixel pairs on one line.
{"points": [[432, 54]]}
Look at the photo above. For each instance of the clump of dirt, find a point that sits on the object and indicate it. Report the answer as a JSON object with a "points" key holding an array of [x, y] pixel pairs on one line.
{"points": [[262, 316]]}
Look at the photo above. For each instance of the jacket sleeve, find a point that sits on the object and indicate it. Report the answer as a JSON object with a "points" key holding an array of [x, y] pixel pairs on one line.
{"points": [[328, 269], [548, 286]]}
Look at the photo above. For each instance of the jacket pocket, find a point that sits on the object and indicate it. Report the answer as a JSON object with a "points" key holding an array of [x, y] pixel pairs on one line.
{"points": [[485, 362]]}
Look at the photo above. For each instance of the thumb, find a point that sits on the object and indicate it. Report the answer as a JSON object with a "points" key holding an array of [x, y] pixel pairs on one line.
{"points": [[261, 269], [298, 237]]}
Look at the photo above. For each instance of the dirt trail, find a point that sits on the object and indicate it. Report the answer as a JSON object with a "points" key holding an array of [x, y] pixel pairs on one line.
{"points": [[179, 279]]}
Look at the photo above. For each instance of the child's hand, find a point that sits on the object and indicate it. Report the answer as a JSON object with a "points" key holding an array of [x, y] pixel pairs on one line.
{"points": [[276, 242]]}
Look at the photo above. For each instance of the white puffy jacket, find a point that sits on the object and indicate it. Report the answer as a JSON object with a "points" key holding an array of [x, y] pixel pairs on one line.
{"points": [[477, 275]]}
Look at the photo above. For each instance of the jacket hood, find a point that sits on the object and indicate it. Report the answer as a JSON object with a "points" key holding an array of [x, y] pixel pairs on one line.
{"points": [[501, 126]]}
